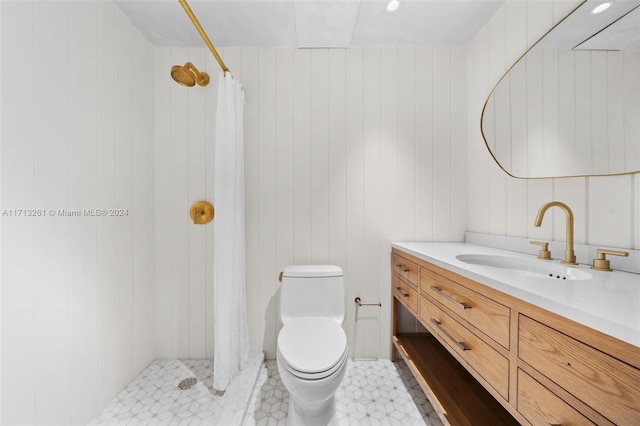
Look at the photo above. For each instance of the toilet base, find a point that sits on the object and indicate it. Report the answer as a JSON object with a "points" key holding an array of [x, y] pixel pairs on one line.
{"points": [[320, 414]]}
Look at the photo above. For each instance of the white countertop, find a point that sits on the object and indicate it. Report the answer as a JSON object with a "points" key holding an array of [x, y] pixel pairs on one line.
{"points": [[609, 302]]}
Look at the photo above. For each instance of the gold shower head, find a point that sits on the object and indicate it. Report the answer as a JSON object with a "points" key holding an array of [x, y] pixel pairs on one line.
{"points": [[188, 75]]}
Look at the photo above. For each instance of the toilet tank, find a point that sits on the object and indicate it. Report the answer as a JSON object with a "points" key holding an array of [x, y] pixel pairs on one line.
{"points": [[312, 291]]}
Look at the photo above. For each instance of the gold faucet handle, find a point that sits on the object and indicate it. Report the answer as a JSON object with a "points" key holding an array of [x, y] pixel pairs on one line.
{"points": [[601, 263], [544, 252]]}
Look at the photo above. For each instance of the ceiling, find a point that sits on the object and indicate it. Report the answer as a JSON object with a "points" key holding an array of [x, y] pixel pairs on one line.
{"points": [[618, 28], [310, 23]]}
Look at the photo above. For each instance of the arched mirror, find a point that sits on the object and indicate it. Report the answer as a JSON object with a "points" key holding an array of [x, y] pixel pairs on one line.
{"points": [[571, 105]]}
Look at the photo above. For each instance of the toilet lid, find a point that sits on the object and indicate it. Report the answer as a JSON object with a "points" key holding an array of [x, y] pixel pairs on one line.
{"points": [[312, 345]]}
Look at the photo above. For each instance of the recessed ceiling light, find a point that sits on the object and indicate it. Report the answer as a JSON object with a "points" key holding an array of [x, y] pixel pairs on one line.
{"points": [[601, 8], [393, 5]]}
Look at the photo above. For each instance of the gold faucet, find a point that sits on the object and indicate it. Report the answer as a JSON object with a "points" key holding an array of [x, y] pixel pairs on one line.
{"points": [[569, 254]]}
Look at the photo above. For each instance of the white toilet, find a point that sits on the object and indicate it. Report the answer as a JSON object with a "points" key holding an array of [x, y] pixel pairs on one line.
{"points": [[312, 346]]}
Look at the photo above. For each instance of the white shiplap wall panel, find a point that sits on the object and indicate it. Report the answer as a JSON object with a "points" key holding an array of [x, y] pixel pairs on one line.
{"points": [[71, 147], [402, 199], [302, 156], [328, 134], [354, 130], [479, 159], [615, 111], [197, 251], [534, 108], [124, 197], [550, 109], [516, 193], [163, 176], [516, 41], [497, 51], [458, 144], [497, 214], [319, 142], [425, 178], [18, 275], [366, 339], [583, 107], [567, 106], [83, 321], [105, 181], [391, 187], [338, 165], [179, 208], [599, 108], [442, 123], [541, 15], [515, 44], [285, 143], [143, 202], [610, 202], [267, 232], [519, 124], [52, 192], [631, 93]]}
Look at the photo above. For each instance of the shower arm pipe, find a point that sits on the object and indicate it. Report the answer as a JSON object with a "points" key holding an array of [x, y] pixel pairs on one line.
{"points": [[204, 36]]}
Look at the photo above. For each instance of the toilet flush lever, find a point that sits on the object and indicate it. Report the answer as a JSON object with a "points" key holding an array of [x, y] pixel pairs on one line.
{"points": [[359, 303]]}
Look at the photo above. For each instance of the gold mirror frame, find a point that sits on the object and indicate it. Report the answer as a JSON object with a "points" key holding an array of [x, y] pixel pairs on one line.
{"points": [[504, 76]]}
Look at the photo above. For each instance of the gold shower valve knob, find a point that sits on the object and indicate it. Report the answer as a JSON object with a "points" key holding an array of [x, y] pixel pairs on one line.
{"points": [[201, 212]]}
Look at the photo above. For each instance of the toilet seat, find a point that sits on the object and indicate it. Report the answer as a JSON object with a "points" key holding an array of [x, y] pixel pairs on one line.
{"points": [[314, 376], [312, 348]]}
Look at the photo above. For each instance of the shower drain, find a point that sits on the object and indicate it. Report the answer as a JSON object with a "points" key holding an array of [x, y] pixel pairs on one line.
{"points": [[187, 383]]}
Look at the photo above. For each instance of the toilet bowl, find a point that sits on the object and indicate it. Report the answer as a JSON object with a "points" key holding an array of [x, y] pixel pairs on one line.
{"points": [[312, 347]]}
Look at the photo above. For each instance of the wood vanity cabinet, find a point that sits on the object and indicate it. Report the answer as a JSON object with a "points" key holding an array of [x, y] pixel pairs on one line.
{"points": [[492, 359]]}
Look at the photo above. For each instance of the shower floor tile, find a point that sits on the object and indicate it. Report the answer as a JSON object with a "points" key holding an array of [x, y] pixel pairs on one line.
{"points": [[154, 397], [372, 393]]}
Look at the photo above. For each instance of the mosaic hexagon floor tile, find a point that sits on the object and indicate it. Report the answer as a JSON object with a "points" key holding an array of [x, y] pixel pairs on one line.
{"points": [[180, 392], [372, 393]]}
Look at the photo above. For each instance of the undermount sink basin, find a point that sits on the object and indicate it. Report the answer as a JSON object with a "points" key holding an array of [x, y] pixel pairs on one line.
{"points": [[527, 267]]}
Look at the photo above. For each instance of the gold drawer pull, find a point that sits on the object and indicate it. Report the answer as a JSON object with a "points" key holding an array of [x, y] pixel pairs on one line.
{"points": [[402, 292], [461, 305], [463, 346], [404, 268]]}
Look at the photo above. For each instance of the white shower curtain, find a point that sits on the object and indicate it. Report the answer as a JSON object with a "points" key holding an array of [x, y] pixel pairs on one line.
{"points": [[231, 335]]}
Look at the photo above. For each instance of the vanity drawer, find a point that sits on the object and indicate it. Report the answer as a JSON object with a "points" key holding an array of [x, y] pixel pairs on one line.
{"points": [[405, 268], [481, 357], [540, 406], [489, 316], [405, 293], [608, 385]]}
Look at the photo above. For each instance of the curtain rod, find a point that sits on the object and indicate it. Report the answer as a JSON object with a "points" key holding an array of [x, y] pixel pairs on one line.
{"points": [[193, 18]]}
